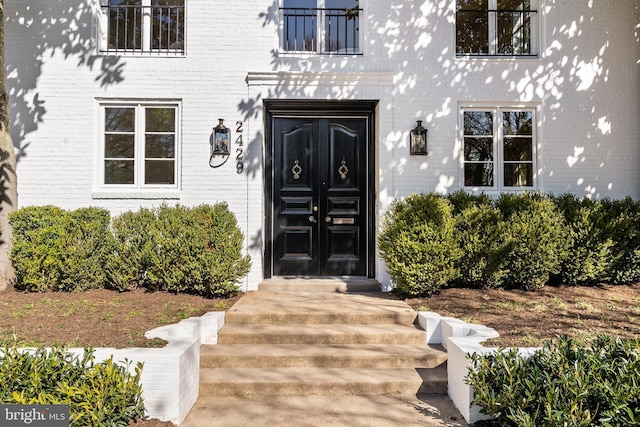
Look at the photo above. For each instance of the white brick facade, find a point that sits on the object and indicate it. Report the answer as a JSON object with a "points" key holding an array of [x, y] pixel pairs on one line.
{"points": [[585, 85]]}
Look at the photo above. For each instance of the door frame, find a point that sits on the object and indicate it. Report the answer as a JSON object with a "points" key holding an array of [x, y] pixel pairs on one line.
{"points": [[318, 109]]}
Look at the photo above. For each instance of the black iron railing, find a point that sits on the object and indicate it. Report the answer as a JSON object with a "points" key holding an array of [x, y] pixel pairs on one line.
{"points": [[145, 29], [330, 31], [495, 32]]}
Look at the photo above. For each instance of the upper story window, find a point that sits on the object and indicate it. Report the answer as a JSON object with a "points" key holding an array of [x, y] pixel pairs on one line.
{"points": [[496, 27], [499, 148], [139, 146], [144, 26], [321, 26]]}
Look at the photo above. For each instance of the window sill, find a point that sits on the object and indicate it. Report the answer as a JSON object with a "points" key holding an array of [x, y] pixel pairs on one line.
{"points": [[137, 194], [498, 58], [150, 54], [282, 54]]}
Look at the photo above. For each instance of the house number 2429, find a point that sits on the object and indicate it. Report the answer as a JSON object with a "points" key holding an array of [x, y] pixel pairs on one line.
{"points": [[239, 148]]}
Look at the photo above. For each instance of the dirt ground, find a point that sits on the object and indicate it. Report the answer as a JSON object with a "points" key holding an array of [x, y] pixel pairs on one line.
{"points": [[102, 318], [524, 318]]}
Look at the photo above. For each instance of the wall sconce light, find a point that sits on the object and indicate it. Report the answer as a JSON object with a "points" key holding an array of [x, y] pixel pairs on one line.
{"points": [[418, 140], [220, 142]]}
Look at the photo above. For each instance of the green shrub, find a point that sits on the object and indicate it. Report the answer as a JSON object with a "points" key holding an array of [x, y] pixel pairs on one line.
{"points": [[567, 382], [621, 224], [201, 250], [480, 233], [178, 249], [589, 253], [417, 244], [537, 235], [59, 250], [98, 394], [133, 252], [462, 200]]}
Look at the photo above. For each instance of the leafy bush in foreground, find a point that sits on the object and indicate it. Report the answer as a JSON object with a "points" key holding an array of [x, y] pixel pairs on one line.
{"points": [[98, 394], [567, 382]]}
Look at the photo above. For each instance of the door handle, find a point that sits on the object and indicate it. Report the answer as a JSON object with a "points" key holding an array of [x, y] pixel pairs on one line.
{"points": [[327, 219], [312, 218]]}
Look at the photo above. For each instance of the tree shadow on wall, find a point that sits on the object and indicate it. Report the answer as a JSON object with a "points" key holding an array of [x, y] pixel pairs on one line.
{"points": [[64, 29]]}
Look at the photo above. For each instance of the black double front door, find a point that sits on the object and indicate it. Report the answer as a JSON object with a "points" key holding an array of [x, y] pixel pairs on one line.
{"points": [[320, 217]]}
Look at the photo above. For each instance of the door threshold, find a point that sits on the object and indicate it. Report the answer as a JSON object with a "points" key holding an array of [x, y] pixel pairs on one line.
{"points": [[320, 284]]}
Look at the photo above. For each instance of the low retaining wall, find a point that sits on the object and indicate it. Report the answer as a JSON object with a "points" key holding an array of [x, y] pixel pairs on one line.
{"points": [[171, 375], [460, 339]]}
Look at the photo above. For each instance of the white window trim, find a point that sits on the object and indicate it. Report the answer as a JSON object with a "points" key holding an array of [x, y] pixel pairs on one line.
{"points": [[101, 35], [320, 4], [498, 160], [138, 189], [536, 37]]}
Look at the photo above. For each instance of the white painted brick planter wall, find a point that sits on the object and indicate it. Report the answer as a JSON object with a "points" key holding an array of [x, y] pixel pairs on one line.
{"points": [[171, 375], [460, 339]]}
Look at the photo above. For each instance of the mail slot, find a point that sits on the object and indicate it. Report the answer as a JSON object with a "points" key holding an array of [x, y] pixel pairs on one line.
{"points": [[344, 221]]}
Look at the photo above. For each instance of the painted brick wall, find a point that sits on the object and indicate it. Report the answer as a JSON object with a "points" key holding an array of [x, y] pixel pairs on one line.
{"points": [[585, 84]]}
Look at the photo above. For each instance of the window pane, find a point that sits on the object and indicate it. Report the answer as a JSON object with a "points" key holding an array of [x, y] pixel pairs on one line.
{"points": [[517, 123], [118, 172], [472, 26], [168, 24], [518, 175], [119, 119], [478, 174], [478, 149], [160, 146], [119, 146], [341, 26], [125, 24], [518, 149], [514, 27], [159, 172], [160, 120], [299, 19], [478, 123]]}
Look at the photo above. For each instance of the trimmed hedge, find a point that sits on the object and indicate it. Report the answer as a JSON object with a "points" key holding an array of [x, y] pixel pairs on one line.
{"points": [[59, 250], [517, 241], [417, 242], [177, 249], [98, 394], [566, 383]]}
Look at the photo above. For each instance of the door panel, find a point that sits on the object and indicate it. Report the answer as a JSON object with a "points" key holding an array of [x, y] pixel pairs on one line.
{"points": [[319, 215]]}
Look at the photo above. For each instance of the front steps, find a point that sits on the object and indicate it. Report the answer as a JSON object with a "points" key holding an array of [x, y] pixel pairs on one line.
{"points": [[320, 343]]}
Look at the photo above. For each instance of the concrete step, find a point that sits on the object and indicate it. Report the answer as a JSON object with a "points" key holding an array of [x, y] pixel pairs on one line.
{"points": [[314, 308], [320, 284], [321, 334], [314, 411], [332, 355], [304, 381]]}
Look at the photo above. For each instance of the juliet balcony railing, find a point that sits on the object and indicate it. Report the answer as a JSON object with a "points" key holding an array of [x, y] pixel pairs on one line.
{"points": [[323, 31], [144, 29], [500, 32]]}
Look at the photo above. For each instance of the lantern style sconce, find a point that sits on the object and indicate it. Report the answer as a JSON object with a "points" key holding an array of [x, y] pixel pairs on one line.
{"points": [[220, 142], [418, 140]]}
